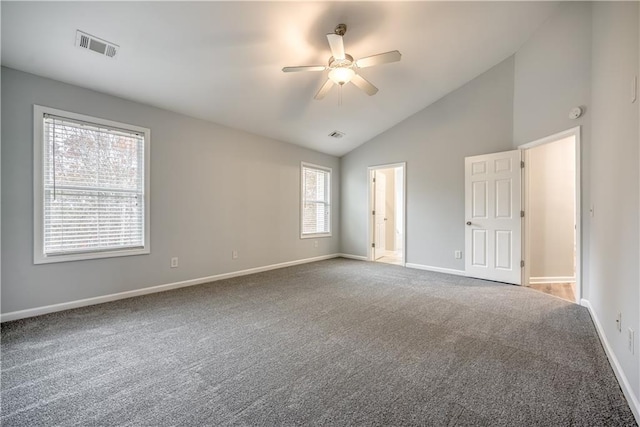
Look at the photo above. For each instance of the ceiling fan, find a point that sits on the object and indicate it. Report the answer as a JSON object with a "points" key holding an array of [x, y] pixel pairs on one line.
{"points": [[342, 67]]}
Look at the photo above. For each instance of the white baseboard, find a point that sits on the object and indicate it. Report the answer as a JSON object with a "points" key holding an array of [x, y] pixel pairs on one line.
{"points": [[551, 279], [436, 269], [632, 399], [21, 314], [358, 257]]}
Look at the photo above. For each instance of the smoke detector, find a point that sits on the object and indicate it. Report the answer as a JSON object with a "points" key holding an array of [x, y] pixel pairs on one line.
{"points": [[336, 134], [95, 44]]}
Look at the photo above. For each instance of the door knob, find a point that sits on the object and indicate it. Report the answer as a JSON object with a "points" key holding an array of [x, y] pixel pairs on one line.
{"points": [[468, 222]]}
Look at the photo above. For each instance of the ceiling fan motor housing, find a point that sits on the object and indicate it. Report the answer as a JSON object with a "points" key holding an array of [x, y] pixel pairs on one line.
{"points": [[346, 62]]}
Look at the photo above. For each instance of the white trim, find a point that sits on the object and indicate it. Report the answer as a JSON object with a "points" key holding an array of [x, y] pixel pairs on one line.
{"points": [[556, 279], [21, 314], [551, 138], [576, 133], [350, 256], [437, 269], [39, 256], [632, 399], [371, 205]]}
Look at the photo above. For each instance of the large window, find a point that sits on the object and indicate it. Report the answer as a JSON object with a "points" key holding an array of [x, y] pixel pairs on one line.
{"points": [[316, 201], [91, 187]]}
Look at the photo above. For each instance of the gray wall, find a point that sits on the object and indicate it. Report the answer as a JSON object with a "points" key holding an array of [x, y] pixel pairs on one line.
{"points": [[474, 119], [584, 55], [613, 271], [213, 190], [552, 75]]}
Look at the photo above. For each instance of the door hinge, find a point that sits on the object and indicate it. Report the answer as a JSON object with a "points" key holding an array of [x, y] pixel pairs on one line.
{"points": [[521, 264], [521, 164], [374, 180], [521, 214], [373, 212], [373, 245]]}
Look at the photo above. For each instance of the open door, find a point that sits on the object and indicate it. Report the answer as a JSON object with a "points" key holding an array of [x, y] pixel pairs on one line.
{"points": [[493, 217]]}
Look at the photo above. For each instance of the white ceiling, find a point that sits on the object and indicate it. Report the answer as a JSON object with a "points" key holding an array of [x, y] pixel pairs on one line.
{"points": [[222, 61]]}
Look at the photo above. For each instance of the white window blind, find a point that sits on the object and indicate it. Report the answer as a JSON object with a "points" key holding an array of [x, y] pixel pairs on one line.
{"points": [[93, 187], [316, 208]]}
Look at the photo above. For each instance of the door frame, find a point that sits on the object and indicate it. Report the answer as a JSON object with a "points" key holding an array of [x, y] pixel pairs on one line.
{"points": [[526, 244], [371, 204]]}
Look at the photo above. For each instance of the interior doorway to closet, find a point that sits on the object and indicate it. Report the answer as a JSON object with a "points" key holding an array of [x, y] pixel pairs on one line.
{"points": [[387, 213], [551, 222]]}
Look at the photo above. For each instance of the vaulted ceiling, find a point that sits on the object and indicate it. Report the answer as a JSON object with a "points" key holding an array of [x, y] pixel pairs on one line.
{"points": [[222, 61]]}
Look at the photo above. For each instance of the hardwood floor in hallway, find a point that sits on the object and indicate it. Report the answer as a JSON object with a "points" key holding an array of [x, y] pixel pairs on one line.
{"points": [[566, 291]]}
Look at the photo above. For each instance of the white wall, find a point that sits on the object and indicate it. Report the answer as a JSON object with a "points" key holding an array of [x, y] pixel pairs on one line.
{"points": [[399, 208], [551, 212], [213, 190], [390, 209], [472, 120], [615, 252]]}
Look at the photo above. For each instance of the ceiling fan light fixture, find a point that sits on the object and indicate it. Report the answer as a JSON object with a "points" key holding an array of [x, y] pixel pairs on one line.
{"points": [[341, 75]]}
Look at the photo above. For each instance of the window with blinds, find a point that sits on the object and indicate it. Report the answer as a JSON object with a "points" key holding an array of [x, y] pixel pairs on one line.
{"points": [[94, 188], [316, 201]]}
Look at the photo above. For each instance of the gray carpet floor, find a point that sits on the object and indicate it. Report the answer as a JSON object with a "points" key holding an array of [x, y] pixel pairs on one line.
{"points": [[336, 342]]}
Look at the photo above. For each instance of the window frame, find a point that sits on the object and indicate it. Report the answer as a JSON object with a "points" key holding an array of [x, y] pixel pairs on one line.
{"points": [[329, 203], [39, 257]]}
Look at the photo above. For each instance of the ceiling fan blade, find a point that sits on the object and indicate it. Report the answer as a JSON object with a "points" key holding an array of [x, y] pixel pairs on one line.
{"points": [[304, 68], [363, 84], [337, 46], [381, 58], [324, 89]]}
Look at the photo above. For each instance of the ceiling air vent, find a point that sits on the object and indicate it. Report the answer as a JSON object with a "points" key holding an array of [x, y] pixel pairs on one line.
{"points": [[103, 47], [336, 134]]}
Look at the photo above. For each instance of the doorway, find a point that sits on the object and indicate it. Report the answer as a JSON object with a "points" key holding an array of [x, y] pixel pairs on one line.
{"points": [[387, 214], [551, 187]]}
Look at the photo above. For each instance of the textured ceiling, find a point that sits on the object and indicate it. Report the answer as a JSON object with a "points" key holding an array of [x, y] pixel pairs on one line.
{"points": [[222, 61]]}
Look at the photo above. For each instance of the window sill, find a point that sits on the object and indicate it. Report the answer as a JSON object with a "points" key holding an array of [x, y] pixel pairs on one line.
{"points": [[315, 236], [43, 259]]}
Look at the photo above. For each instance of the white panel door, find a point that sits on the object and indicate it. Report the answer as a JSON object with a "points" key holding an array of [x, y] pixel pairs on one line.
{"points": [[380, 215], [492, 214]]}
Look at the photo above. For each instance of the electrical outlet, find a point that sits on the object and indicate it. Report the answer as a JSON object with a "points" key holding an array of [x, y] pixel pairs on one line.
{"points": [[619, 322], [631, 338], [315, 243], [174, 262], [457, 254], [234, 254]]}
